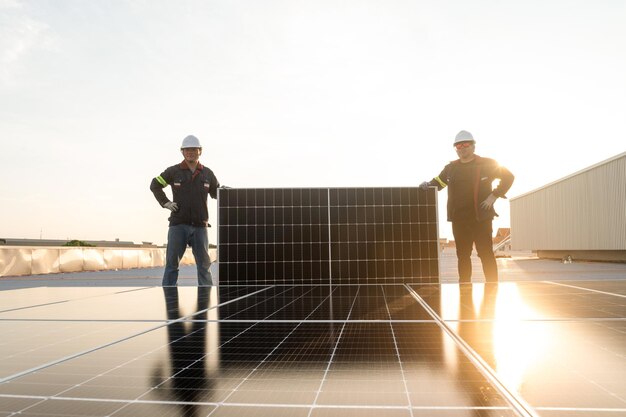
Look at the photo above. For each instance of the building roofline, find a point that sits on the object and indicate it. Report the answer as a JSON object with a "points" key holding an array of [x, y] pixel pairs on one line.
{"points": [[606, 161]]}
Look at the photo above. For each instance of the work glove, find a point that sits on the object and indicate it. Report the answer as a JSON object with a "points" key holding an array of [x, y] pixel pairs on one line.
{"points": [[486, 205], [425, 185], [224, 186], [171, 206]]}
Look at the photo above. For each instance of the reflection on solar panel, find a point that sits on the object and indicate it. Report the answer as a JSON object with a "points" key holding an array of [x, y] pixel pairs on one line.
{"points": [[327, 235], [509, 349]]}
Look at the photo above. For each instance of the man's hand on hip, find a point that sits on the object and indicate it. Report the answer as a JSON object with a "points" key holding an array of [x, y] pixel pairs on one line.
{"points": [[488, 203], [171, 206]]}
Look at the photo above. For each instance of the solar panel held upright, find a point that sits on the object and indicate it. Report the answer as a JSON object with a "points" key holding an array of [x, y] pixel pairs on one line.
{"points": [[327, 236]]}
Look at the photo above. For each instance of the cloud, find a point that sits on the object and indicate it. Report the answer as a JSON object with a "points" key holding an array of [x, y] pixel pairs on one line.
{"points": [[20, 34], [10, 4]]}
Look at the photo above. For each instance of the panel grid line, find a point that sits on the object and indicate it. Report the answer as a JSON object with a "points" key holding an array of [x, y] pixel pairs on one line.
{"points": [[330, 251], [294, 405], [69, 300], [619, 410], [586, 289]]}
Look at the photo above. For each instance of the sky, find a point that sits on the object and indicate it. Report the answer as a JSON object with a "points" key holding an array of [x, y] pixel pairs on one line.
{"points": [[96, 97]]}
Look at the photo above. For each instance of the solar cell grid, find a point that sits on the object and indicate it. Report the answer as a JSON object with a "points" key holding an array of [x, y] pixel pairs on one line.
{"points": [[544, 301], [376, 354], [27, 345], [335, 235]]}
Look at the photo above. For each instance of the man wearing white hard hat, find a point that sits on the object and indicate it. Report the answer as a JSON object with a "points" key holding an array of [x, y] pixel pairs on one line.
{"points": [[470, 204], [191, 184]]}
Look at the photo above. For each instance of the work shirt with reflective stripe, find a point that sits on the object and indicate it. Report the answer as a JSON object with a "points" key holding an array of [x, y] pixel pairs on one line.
{"points": [[190, 190], [469, 184]]}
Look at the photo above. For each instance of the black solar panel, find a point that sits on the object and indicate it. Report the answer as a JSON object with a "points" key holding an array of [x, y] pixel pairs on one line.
{"points": [[327, 236]]}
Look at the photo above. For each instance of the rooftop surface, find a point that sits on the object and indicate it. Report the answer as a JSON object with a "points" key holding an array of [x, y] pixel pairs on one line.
{"points": [[548, 340]]}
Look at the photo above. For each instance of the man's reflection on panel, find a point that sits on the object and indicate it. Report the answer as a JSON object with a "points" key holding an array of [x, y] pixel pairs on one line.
{"points": [[189, 381], [476, 318], [475, 326]]}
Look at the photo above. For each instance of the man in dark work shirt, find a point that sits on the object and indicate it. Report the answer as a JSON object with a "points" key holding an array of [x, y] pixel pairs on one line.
{"points": [[470, 204]]}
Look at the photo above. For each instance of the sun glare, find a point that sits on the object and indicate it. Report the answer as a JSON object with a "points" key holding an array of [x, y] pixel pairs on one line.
{"points": [[499, 325], [518, 342]]}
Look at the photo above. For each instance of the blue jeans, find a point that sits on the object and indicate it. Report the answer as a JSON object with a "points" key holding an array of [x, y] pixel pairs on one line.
{"points": [[178, 237]]}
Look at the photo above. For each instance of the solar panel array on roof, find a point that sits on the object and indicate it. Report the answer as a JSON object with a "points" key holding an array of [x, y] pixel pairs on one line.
{"points": [[316, 350], [327, 235]]}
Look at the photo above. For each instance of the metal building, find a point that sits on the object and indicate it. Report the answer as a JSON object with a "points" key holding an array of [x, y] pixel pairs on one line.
{"points": [[582, 216]]}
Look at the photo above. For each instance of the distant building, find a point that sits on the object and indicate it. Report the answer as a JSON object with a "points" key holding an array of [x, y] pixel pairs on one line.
{"points": [[451, 244], [61, 242], [9, 241], [501, 234], [582, 215]]}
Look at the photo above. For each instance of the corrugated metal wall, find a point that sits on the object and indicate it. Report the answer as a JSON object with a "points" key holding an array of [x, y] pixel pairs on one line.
{"points": [[586, 211]]}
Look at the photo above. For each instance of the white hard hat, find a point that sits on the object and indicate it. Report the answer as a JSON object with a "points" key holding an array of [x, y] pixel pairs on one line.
{"points": [[463, 136], [191, 142]]}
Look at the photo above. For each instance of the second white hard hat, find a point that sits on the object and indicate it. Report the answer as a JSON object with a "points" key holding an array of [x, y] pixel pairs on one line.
{"points": [[463, 136], [191, 142]]}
